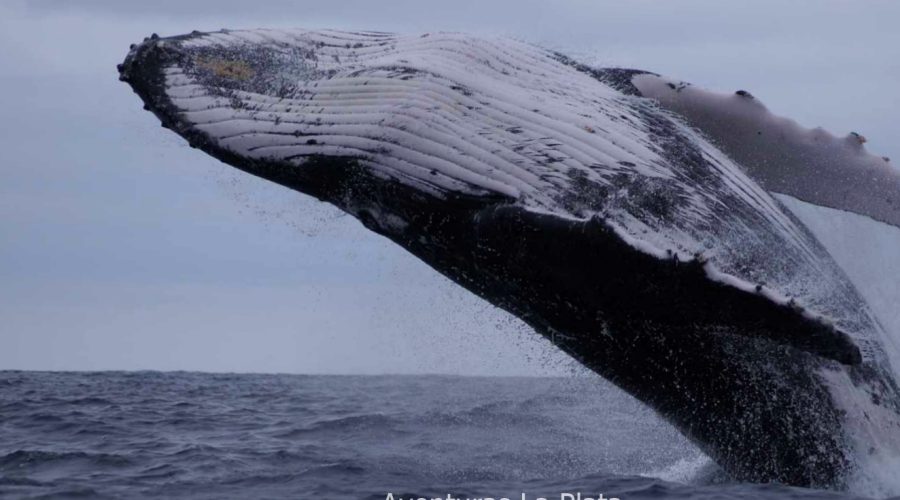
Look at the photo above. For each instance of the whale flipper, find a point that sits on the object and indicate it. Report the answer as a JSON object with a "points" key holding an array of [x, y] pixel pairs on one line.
{"points": [[808, 164], [554, 192]]}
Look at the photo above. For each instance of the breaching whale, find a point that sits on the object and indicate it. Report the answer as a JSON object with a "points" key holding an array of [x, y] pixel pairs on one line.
{"points": [[586, 202]]}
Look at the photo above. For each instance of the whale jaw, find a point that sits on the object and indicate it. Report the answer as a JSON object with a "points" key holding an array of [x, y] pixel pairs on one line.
{"points": [[749, 379]]}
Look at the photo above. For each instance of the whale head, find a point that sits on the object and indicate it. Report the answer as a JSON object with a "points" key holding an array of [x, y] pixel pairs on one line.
{"points": [[299, 111]]}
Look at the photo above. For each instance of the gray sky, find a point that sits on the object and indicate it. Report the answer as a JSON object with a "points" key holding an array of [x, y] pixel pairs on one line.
{"points": [[122, 248]]}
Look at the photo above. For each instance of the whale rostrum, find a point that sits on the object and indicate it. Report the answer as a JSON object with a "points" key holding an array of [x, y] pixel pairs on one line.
{"points": [[584, 201]]}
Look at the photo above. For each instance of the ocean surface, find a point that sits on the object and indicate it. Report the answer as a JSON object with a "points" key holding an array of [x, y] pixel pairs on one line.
{"points": [[193, 435]]}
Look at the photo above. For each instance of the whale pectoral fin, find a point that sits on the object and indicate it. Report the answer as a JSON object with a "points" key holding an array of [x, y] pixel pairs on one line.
{"points": [[811, 165]]}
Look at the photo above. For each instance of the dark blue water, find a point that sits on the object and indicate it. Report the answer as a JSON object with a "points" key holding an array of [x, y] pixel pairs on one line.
{"points": [[190, 435]]}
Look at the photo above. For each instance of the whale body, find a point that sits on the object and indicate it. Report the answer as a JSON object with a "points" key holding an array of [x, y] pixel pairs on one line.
{"points": [[563, 194]]}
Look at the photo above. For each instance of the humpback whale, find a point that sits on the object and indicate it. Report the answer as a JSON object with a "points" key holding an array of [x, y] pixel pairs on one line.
{"points": [[609, 209]]}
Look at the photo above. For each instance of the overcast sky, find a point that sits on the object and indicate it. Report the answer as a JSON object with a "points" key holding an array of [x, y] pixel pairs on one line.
{"points": [[121, 248]]}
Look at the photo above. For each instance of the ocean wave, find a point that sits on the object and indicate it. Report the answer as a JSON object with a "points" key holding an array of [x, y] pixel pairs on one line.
{"points": [[32, 458], [355, 437]]}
